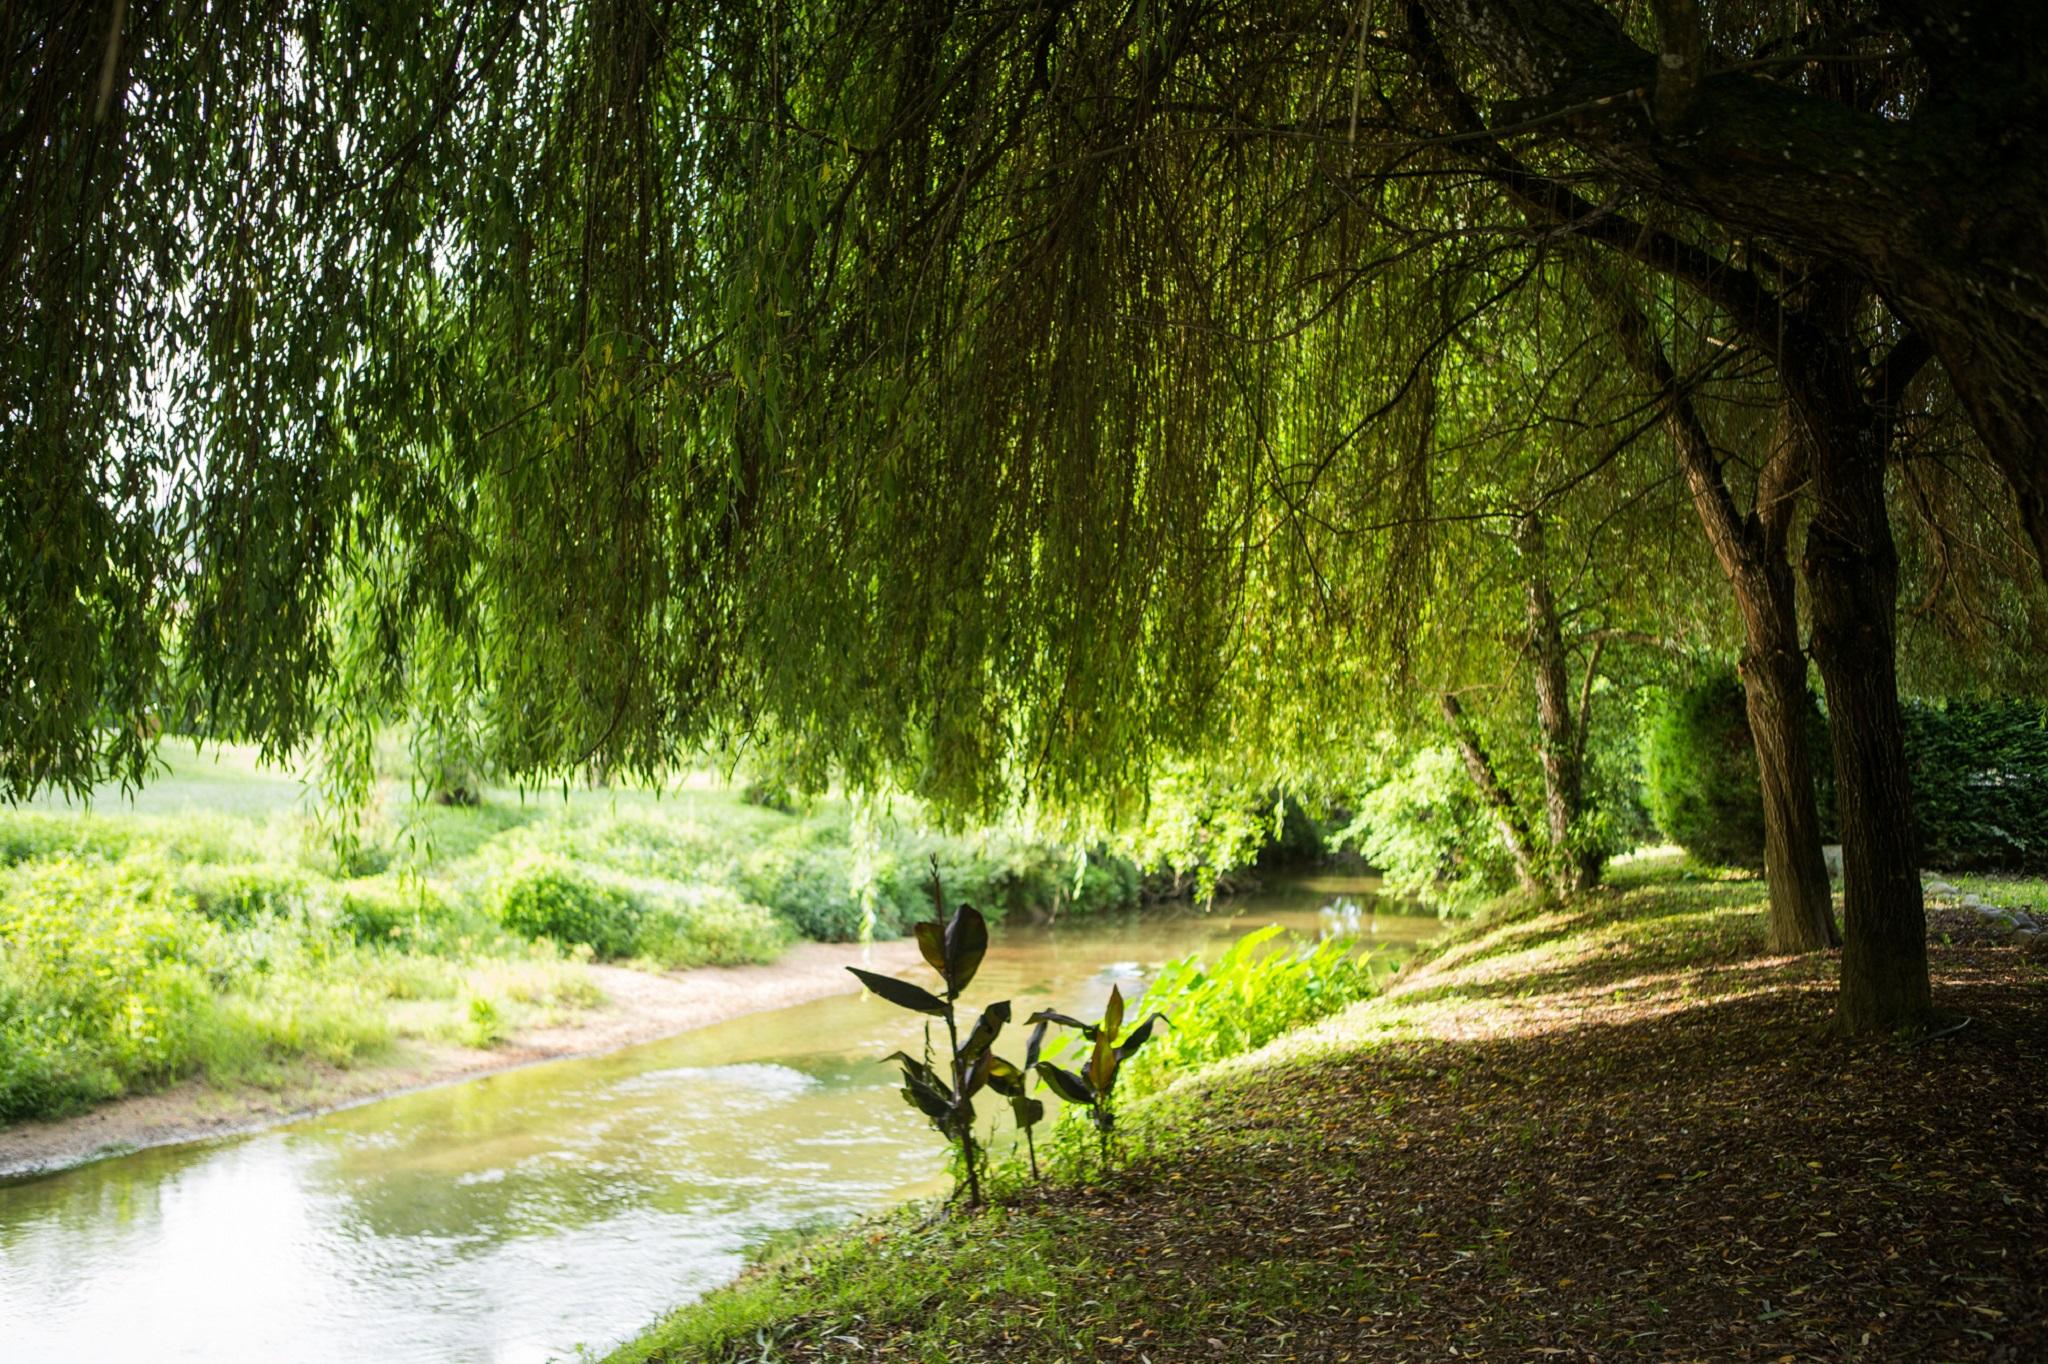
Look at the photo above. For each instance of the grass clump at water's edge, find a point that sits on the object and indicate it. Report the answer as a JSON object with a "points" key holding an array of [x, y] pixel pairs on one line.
{"points": [[1610, 1127]]}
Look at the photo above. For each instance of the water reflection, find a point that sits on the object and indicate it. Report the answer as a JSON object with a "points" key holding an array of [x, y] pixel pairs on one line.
{"points": [[510, 1218]]}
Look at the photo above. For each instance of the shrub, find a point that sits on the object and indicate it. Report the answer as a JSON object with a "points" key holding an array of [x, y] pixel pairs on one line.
{"points": [[1256, 991], [100, 981], [238, 895], [483, 1025], [1426, 832], [683, 926], [1700, 774], [552, 898], [397, 911], [1980, 784], [26, 834], [809, 883]]}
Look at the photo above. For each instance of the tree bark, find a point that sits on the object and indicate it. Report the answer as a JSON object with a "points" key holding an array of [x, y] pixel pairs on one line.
{"points": [[1514, 836], [1852, 575], [1751, 550], [1572, 867], [1773, 671]]}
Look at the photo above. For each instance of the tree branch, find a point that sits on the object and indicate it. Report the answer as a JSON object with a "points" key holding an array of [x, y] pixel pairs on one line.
{"points": [[1681, 53]]}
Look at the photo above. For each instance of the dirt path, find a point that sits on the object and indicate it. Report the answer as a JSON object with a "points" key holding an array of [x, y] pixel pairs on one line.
{"points": [[639, 1007]]}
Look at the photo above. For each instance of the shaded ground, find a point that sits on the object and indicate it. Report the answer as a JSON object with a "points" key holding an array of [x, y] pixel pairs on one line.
{"points": [[1612, 1133], [639, 1006]]}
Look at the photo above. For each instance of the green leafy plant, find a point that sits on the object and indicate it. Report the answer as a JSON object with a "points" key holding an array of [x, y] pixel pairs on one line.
{"points": [[1257, 990], [1094, 1086], [954, 947], [552, 898]]}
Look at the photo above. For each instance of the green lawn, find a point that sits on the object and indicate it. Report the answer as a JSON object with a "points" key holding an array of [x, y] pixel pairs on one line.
{"points": [[1613, 1129]]}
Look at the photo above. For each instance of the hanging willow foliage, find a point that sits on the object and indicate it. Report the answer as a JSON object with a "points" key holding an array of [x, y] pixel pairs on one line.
{"points": [[971, 398], [659, 373]]}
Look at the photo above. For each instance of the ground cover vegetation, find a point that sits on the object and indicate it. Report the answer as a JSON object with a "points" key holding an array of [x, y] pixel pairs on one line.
{"points": [[223, 934], [1612, 1126]]}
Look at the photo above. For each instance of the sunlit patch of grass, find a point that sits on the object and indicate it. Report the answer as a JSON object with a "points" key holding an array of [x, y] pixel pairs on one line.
{"points": [[2029, 893]]}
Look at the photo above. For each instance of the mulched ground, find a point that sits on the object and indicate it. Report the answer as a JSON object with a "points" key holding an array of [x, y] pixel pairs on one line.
{"points": [[1686, 1168]]}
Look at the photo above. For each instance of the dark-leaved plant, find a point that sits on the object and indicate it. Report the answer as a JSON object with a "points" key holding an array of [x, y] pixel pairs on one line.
{"points": [[1094, 1086], [953, 946], [1009, 1081]]}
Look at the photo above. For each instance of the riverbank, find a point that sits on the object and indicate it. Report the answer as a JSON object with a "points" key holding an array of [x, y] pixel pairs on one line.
{"points": [[1616, 1129], [636, 1007]]}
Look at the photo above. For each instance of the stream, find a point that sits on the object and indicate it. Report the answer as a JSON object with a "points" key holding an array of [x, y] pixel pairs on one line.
{"points": [[516, 1217]]}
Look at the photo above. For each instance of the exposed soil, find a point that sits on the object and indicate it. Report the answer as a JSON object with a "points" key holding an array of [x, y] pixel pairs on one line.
{"points": [[639, 1007]]}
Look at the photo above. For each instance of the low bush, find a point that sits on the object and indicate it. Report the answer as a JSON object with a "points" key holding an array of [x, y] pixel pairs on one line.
{"points": [[552, 898], [684, 926], [1255, 991], [406, 913], [110, 981], [1700, 774], [808, 882], [26, 834], [236, 895]]}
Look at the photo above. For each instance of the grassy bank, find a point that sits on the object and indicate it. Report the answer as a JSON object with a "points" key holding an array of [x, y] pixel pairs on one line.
{"points": [[211, 928], [1610, 1130]]}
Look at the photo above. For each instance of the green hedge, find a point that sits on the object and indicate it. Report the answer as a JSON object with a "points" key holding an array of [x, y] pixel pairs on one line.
{"points": [[551, 898], [1979, 769], [1980, 784]]}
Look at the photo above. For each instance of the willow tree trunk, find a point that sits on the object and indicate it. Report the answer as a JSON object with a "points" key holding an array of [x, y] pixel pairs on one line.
{"points": [[1500, 806], [1773, 673], [1751, 550], [1573, 866], [1852, 576]]}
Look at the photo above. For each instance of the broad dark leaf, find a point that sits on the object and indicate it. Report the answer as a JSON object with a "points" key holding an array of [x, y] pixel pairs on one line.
{"points": [[1026, 1111], [1087, 1030], [1065, 1083], [931, 941], [977, 1076], [1140, 1035], [924, 1091], [1032, 1047], [1004, 1078], [966, 945], [902, 993], [913, 1063], [985, 1029]]}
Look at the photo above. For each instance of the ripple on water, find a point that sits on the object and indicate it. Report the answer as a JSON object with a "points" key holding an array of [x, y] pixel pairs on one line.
{"points": [[748, 1083]]}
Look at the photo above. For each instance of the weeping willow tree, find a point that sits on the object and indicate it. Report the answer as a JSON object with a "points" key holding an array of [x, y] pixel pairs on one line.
{"points": [[958, 398]]}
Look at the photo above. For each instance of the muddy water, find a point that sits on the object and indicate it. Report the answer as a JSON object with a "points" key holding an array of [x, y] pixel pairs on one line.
{"points": [[515, 1217]]}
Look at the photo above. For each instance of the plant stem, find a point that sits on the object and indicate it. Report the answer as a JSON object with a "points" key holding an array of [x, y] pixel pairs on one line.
{"points": [[1032, 1147], [960, 1099]]}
